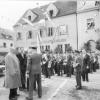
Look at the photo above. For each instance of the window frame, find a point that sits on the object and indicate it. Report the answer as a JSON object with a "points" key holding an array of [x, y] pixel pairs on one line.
{"points": [[19, 37], [4, 44], [90, 21], [29, 35]]}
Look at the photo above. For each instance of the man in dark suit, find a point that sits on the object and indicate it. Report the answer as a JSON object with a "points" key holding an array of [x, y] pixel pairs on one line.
{"points": [[85, 68], [34, 71], [23, 64], [69, 64]]}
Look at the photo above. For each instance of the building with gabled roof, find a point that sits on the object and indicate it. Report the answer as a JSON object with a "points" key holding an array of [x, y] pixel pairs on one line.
{"points": [[6, 40], [74, 23]]}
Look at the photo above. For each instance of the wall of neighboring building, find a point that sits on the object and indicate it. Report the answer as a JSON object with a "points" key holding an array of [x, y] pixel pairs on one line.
{"points": [[85, 34], [24, 41], [7, 43]]}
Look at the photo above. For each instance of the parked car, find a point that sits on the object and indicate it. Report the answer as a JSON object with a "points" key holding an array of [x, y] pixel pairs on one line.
{"points": [[2, 64], [2, 70]]}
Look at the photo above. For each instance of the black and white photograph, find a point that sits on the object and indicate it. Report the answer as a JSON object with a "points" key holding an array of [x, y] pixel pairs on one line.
{"points": [[49, 49]]}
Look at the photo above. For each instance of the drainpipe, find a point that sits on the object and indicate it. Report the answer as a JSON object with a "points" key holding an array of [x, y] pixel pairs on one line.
{"points": [[77, 30]]}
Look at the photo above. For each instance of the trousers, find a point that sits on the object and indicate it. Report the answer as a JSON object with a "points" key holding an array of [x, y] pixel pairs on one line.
{"points": [[13, 93], [36, 78]]}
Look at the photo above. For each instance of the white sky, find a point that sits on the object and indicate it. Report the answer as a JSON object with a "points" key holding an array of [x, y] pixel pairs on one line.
{"points": [[12, 10]]}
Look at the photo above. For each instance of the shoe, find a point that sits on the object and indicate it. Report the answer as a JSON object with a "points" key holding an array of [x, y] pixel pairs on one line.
{"points": [[39, 96], [27, 98], [21, 89], [12, 98], [78, 88], [17, 95]]}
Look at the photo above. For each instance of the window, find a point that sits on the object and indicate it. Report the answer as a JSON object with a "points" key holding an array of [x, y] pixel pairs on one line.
{"points": [[50, 31], [11, 44], [47, 47], [19, 36], [4, 45], [30, 35], [51, 13], [90, 24], [42, 48], [60, 48], [97, 3], [63, 29], [66, 47], [41, 33], [29, 18]]}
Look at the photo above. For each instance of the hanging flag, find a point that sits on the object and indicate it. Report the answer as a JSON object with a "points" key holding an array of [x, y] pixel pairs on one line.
{"points": [[38, 43]]}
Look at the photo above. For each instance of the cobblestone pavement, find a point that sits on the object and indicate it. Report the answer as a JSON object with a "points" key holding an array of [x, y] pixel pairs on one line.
{"points": [[62, 88], [90, 91]]}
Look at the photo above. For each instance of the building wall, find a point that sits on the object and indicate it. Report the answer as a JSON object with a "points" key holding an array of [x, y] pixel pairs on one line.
{"points": [[8, 45], [24, 42], [77, 24], [69, 38], [83, 33]]}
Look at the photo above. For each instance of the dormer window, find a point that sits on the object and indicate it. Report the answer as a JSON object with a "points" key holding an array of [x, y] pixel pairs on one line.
{"points": [[30, 35], [52, 10], [4, 45], [19, 36], [51, 13], [29, 18], [97, 3]]}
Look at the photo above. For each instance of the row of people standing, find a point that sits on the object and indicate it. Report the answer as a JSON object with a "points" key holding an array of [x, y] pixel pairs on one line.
{"points": [[84, 65], [87, 63], [57, 65], [82, 62]]}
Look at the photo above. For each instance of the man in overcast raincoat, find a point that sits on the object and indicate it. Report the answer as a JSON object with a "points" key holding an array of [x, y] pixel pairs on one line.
{"points": [[12, 75]]}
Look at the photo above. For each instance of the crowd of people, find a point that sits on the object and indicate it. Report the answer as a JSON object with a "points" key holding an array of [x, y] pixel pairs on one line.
{"points": [[24, 69]]}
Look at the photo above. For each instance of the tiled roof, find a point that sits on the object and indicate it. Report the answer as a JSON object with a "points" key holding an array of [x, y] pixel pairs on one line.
{"points": [[4, 34], [64, 8]]}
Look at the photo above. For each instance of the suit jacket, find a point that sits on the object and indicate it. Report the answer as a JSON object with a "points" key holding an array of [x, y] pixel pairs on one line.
{"points": [[69, 60], [23, 61], [34, 64], [86, 62], [79, 64]]}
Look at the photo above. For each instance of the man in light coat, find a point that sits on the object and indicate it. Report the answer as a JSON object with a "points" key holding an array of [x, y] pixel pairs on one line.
{"points": [[12, 75]]}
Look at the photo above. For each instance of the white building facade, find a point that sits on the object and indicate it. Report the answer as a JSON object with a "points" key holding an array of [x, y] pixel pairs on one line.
{"points": [[70, 22], [6, 40]]}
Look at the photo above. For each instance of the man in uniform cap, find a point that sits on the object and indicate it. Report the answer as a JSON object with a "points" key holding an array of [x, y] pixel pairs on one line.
{"points": [[34, 71], [78, 66]]}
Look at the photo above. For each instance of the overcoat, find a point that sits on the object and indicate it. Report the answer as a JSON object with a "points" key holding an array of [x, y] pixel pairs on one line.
{"points": [[12, 74]]}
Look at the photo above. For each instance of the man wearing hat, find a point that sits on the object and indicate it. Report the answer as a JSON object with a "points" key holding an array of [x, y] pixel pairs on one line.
{"points": [[34, 71], [78, 65]]}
